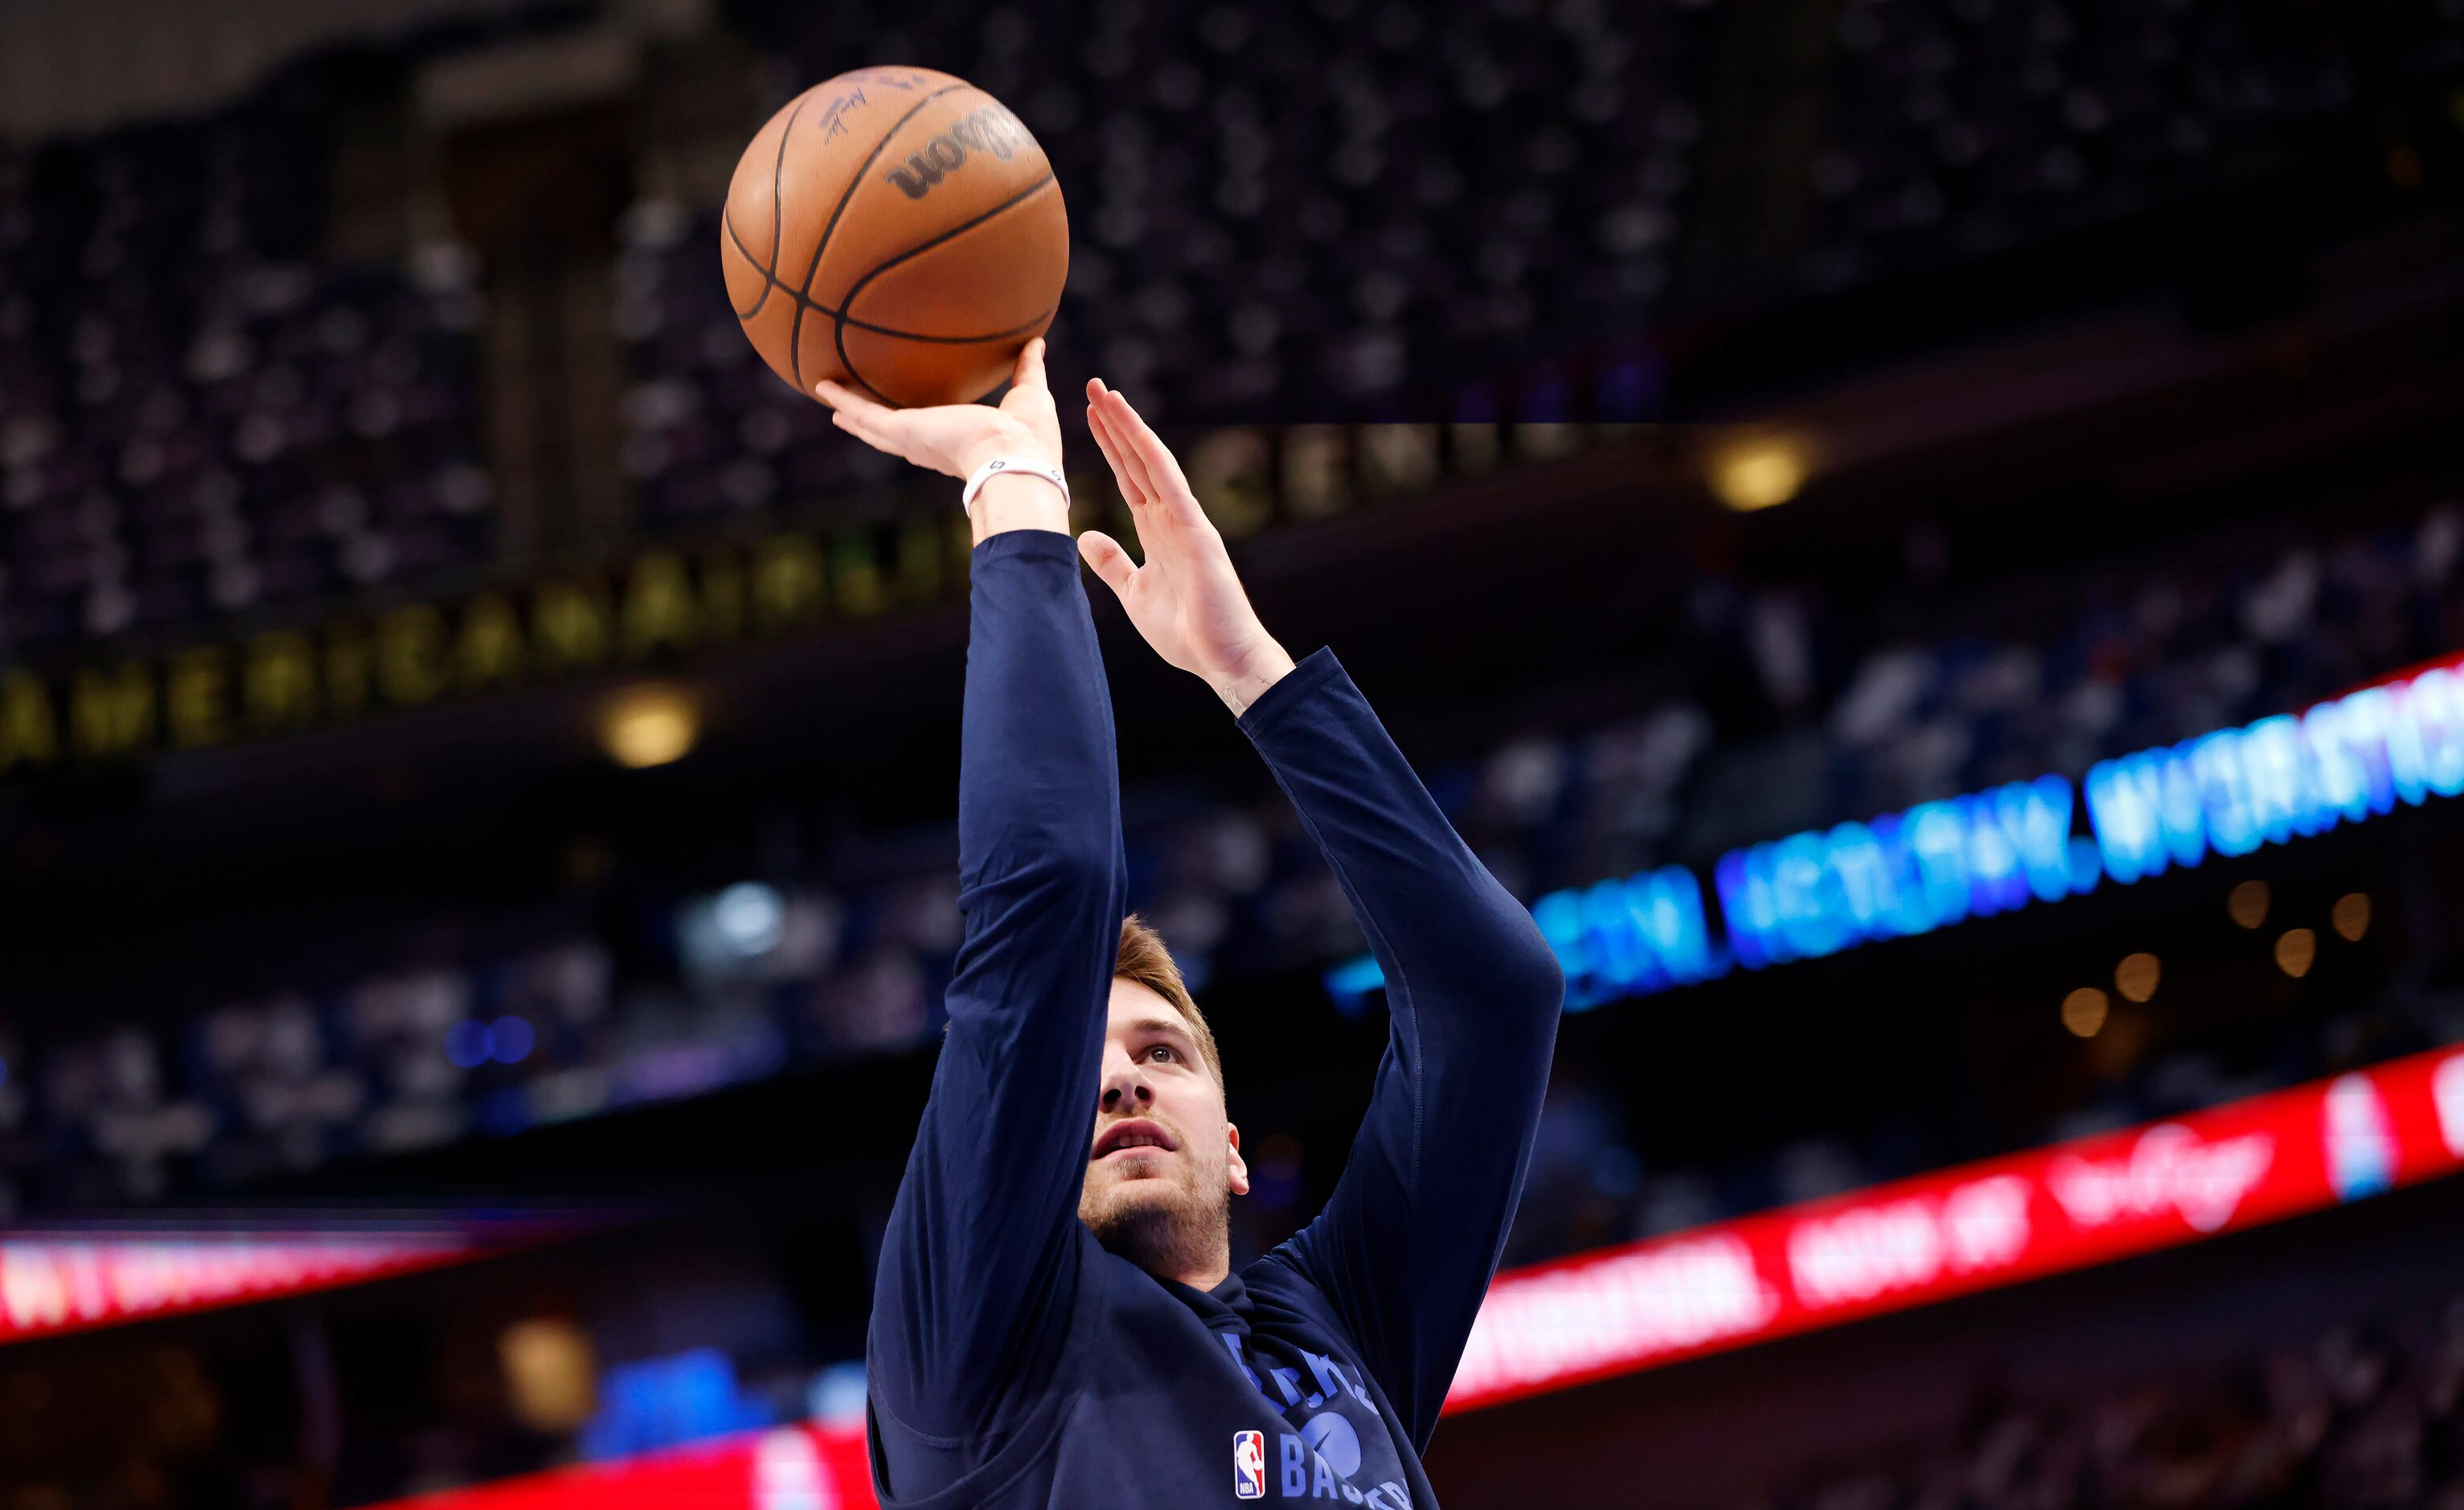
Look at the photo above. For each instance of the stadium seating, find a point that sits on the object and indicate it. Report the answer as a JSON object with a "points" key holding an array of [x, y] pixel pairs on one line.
{"points": [[805, 969], [199, 413], [2373, 1414], [1339, 233], [1342, 239], [1962, 127]]}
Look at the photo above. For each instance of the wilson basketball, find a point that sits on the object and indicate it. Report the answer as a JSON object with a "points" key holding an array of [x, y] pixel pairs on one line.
{"points": [[897, 230]]}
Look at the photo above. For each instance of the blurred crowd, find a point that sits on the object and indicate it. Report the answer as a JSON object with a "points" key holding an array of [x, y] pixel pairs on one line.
{"points": [[1311, 203], [200, 414], [1299, 211], [2370, 1416], [207, 413], [1391, 210], [557, 1018], [1961, 127], [1334, 208]]}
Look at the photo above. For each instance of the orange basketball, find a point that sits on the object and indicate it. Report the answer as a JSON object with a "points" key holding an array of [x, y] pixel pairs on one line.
{"points": [[898, 231]]}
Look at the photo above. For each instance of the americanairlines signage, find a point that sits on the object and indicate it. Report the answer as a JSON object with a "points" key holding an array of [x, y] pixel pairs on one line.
{"points": [[2397, 743], [1897, 1246]]}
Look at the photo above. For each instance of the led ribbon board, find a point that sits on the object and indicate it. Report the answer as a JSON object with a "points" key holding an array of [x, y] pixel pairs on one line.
{"points": [[808, 1467], [66, 1283], [2399, 740], [1619, 1310]]}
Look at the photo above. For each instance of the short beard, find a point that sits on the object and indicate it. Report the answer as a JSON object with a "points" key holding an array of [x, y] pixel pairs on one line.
{"points": [[1187, 1234]]}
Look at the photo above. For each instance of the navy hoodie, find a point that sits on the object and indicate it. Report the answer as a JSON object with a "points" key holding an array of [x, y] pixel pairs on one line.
{"points": [[1013, 1362]]}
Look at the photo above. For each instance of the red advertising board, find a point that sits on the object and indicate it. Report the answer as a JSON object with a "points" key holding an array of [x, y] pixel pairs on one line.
{"points": [[808, 1467], [67, 1282], [1621, 1310], [1617, 1310]]}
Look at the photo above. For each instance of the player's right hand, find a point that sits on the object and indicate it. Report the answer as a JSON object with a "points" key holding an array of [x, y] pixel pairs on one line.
{"points": [[956, 438]]}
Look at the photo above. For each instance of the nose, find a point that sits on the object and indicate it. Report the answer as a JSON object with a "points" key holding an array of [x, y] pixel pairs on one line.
{"points": [[1125, 1088]]}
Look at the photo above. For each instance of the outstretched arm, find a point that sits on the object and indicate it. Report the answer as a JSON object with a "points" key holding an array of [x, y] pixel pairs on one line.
{"points": [[1405, 1248], [978, 1269]]}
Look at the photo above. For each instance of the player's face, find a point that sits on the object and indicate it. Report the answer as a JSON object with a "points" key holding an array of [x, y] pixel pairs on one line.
{"points": [[1164, 1161]]}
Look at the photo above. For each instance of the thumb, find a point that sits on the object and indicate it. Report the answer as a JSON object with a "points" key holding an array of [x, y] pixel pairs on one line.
{"points": [[1029, 372], [1106, 558]]}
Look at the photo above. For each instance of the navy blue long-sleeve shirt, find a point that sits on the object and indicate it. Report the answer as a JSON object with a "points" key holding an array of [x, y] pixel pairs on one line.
{"points": [[1012, 1360]]}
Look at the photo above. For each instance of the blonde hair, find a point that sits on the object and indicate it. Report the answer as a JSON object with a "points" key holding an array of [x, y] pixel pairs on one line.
{"points": [[1144, 960]]}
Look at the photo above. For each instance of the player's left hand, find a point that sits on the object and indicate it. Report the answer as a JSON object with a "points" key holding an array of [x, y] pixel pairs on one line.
{"points": [[1186, 599]]}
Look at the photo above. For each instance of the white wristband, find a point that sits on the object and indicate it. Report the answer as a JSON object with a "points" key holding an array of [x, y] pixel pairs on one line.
{"points": [[1026, 466]]}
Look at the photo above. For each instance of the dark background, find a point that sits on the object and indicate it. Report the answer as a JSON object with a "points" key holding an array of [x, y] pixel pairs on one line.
{"points": [[2121, 340]]}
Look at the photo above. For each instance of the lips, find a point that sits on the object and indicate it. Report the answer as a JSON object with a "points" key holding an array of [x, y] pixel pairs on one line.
{"points": [[1134, 1132]]}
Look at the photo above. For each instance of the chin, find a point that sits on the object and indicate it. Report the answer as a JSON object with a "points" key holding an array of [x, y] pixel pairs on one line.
{"points": [[1154, 1220], [1125, 1194]]}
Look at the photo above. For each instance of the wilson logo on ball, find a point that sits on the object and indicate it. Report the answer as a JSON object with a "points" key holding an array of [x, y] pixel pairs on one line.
{"points": [[990, 129]]}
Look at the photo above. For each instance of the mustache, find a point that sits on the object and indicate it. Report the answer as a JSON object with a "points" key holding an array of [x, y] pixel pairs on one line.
{"points": [[1172, 1129]]}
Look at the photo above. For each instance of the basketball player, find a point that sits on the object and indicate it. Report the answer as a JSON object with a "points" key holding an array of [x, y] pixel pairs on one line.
{"points": [[1055, 1321]]}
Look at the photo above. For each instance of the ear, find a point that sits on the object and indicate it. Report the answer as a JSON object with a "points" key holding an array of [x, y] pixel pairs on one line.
{"points": [[1238, 1167]]}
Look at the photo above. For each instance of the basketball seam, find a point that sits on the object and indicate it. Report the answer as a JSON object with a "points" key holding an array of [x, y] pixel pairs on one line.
{"points": [[1047, 181], [819, 308], [778, 165], [894, 334], [769, 279], [855, 181], [779, 189]]}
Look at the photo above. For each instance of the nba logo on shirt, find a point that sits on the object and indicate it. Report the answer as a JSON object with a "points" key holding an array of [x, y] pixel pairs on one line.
{"points": [[1249, 1465]]}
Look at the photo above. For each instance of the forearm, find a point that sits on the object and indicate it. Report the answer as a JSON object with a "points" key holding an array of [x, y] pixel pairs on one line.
{"points": [[1037, 787], [1407, 1243], [1431, 909], [975, 1262]]}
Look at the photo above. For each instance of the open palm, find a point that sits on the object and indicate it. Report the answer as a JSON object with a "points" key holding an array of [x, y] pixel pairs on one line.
{"points": [[1186, 600]]}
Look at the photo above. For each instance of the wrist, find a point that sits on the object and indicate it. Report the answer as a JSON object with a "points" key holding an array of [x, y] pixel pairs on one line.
{"points": [[1245, 683], [1003, 443], [1005, 503]]}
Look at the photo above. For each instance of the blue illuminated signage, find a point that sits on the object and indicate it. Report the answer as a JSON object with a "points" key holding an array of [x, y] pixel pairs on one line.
{"points": [[1826, 890]]}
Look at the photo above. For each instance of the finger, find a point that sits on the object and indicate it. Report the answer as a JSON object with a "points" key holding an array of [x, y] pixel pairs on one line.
{"points": [[1030, 371], [1107, 560], [1144, 441], [846, 401], [878, 438], [1149, 454], [1132, 460], [1132, 489], [853, 424]]}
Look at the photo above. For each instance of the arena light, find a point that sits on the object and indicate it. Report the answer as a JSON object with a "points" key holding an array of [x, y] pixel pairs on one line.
{"points": [[2136, 976], [1760, 472], [2084, 1010], [2351, 917], [550, 1373], [650, 725]]}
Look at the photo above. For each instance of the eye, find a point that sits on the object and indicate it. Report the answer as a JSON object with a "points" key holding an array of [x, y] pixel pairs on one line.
{"points": [[1165, 1050]]}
